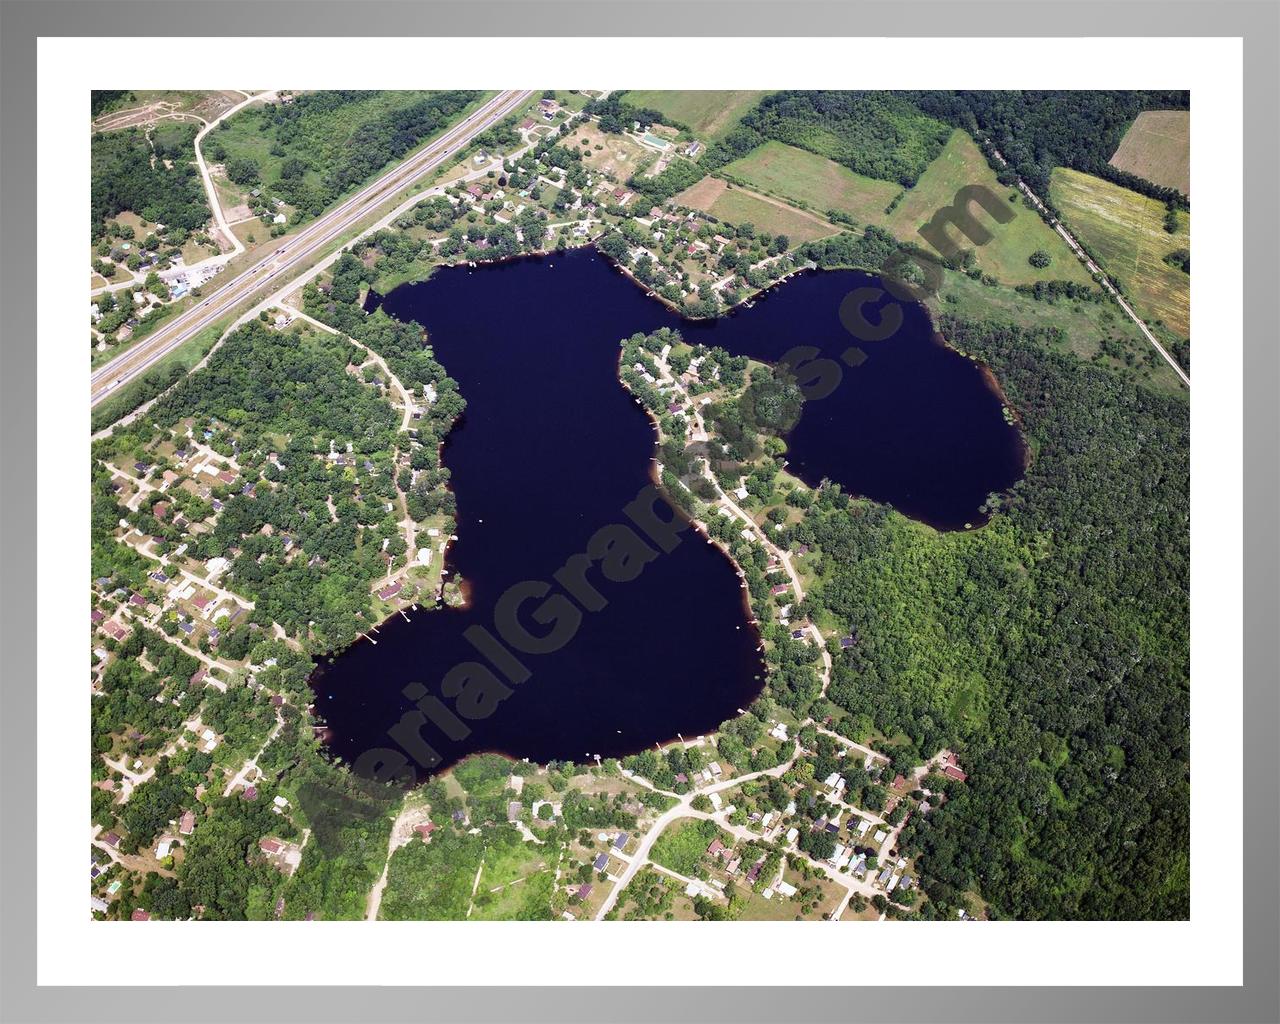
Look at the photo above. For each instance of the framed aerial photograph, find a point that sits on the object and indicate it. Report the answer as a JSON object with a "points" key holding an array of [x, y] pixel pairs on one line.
{"points": [[879, 532], [570, 523]]}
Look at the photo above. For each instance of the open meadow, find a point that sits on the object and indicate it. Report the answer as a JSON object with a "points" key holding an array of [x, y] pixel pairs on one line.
{"points": [[813, 181], [1006, 256], [609, 152], [1126, 233], [736, 206], [709, 113]]}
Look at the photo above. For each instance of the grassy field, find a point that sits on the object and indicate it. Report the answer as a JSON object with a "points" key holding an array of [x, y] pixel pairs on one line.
{"points": [[683, 844], [813, 181], [1005, 257], [821, 184], [710, 113], [618, 155], [740, 206], [516, 880], [1157, 147], [1093, 331], [1125, 231]]}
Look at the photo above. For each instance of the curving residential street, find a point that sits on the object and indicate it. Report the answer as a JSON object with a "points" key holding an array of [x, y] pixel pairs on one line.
{"points": [[684, 805]]}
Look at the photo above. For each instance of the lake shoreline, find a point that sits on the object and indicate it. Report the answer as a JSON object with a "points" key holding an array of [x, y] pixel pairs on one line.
{"points": [[546, 365]]}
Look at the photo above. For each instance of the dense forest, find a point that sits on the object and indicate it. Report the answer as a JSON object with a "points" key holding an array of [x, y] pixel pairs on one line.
{"points": [[323, 144], [1051, 648], [154, 177], [1037, 131]]}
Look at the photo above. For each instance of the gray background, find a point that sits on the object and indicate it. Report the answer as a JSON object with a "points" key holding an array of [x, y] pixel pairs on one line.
{"points": [[22, 22]]}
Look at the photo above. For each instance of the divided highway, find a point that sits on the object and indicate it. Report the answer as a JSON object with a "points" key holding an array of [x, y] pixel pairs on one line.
{"points": [[310, 245]]}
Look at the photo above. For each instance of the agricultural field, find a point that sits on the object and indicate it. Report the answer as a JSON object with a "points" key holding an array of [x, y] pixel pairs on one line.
{"points": [[882, 135], [1125, 231], [741, 206], [1006, 256], [1157, 147], [824, 185], [813, 181], [709, 113]]}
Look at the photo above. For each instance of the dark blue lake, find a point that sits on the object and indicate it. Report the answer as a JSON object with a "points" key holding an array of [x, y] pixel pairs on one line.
{"points": [[552, 449]]}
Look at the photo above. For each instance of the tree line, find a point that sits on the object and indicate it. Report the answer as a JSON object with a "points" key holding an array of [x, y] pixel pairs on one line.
{"points": [[1038, 130]]}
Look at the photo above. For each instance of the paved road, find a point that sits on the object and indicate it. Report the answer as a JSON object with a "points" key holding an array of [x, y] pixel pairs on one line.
{"points": [[682, 809], [1097, 271], [313, 243], [215, 203]]}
